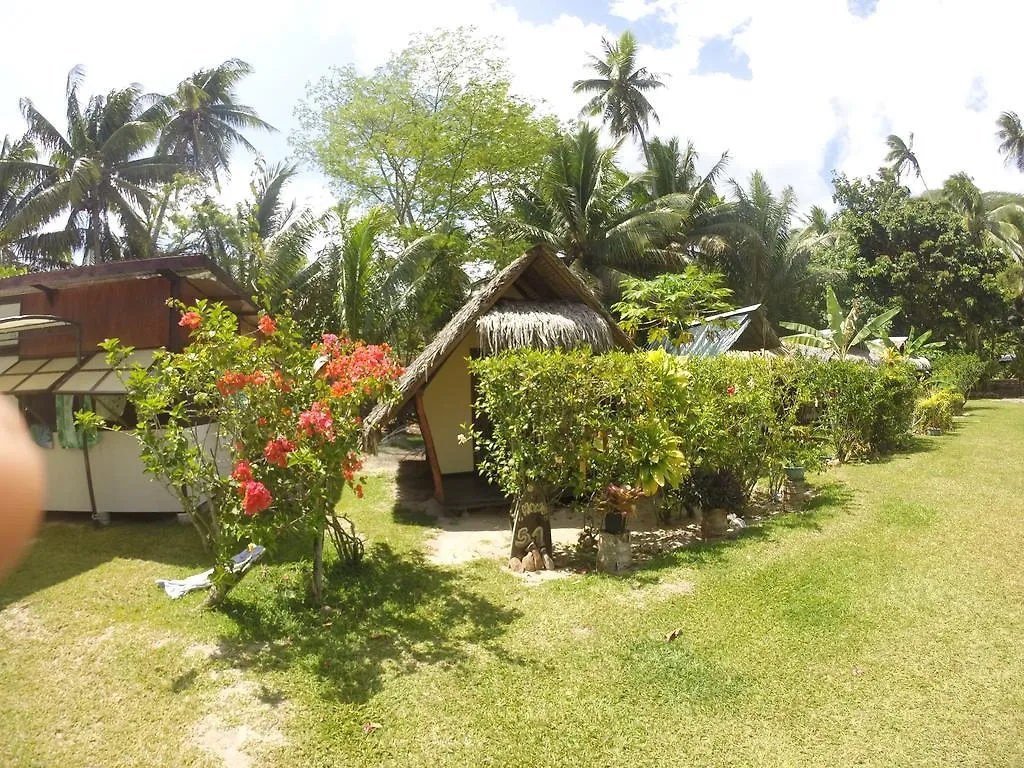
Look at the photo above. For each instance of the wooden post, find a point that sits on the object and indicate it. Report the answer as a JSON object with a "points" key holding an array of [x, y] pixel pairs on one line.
{"points": [[428, 442], [103, 518]]}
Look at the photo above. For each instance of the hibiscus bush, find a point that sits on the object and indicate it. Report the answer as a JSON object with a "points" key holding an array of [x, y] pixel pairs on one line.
{"points": [[257, 434]]}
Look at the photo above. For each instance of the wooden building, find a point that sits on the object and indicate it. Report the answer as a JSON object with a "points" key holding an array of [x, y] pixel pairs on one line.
{"points": [[50, 325]]}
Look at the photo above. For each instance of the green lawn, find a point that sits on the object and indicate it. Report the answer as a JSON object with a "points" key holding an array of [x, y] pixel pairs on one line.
{"points": [[882, 627]]}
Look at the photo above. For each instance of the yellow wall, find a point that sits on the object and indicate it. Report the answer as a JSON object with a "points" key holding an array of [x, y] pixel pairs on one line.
{"points": [[446, 400]]}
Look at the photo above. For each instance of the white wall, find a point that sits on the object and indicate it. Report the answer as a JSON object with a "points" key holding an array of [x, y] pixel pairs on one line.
{"points": [[119, 480]]}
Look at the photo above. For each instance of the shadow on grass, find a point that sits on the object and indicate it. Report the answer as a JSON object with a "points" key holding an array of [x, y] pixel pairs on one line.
{"points": [[68, 549], [829, 499], [391, 615]]}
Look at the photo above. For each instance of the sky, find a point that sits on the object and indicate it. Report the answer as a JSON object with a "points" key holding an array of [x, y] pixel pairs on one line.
{"points": [[795, 88]]}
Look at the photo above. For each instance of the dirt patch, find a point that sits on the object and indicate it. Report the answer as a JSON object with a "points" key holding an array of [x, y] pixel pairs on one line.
{"points": [[245, 721], [233, 745], [673, 588], [20, 622], [204, 651]]}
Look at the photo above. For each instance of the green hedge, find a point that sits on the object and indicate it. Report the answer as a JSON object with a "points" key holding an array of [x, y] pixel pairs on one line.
{"points": [[959, 372], [570, 422]]}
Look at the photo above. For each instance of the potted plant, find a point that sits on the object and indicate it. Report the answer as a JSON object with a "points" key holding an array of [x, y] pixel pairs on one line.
{"points": [[620, 502]]}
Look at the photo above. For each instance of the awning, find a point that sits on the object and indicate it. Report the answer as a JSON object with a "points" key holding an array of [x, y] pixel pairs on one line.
{"points": [[28, 376], [96, 377]]}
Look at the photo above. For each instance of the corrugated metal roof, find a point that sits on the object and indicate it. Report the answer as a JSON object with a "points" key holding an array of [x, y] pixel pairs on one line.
{"points": [[717, 334]]}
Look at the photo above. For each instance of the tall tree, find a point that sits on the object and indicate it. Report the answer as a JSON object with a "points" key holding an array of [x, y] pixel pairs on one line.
{"points": [[708, 223], [992, 218], [901, 157], [1011, 139], [584, 209], [264, 243], [98, 176], [375, 289], [763, 265], [14, 185], [917, 254], [205, 121], [619, 90], [435, 134]]}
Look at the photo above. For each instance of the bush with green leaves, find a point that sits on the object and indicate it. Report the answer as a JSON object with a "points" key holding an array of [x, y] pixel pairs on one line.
{"points": [[936, 411], [862, 409], [747, 410], [571, 423], [959, 372]]}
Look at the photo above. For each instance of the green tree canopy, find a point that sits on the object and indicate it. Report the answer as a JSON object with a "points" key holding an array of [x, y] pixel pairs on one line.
{"points": [[916, 254], [435, 134], [98, 177]]}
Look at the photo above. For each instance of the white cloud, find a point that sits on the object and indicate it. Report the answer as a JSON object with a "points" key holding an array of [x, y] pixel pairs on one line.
{"points": [[818, 72]]}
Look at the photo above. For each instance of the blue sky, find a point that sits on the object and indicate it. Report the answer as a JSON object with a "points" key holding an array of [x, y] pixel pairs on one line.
{"points": [[795, 88]]}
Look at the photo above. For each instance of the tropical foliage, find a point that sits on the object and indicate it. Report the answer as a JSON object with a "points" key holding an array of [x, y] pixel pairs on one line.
{"points": [[846, 330], [292, 438], [619, 90]]}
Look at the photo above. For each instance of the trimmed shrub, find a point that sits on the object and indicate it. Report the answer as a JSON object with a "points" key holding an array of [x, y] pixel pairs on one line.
{"points": [[959, 372], [570, 423], [936, 411], [863, 410], [750, 410]]}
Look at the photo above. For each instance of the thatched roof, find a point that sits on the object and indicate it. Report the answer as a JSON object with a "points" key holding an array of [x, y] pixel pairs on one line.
{"points": [[542, 325], [539, 276]]}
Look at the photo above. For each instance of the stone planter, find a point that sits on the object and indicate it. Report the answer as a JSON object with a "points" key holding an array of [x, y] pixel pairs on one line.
{"points": [[714, 523], [794, 473], [614, 552]]}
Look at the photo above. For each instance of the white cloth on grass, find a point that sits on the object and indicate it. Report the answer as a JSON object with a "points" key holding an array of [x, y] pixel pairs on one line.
{"points": [[240, 563]]}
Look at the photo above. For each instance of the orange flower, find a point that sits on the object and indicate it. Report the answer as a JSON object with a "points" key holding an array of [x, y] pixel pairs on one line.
{"points": [[267, 325], [190, 320]]}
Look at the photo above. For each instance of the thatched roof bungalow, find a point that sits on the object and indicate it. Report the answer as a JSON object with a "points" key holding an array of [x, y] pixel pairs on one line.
{"points": [[535, 302]]}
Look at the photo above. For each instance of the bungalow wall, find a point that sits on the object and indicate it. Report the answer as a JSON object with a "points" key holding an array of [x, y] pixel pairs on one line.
{"points": [[447, 401], [131, 310]]}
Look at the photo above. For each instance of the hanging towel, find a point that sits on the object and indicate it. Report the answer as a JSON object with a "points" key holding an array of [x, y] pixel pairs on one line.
{"points": [[67, 435]]}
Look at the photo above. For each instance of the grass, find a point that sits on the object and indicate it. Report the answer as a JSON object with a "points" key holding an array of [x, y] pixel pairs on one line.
{"points": [[881, 627]]}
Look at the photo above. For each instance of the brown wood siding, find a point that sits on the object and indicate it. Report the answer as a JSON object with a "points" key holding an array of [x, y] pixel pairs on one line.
{"points": [[132, 310]]}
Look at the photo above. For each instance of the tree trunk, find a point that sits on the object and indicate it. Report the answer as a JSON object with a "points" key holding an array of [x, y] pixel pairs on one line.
{"points": [[318, 568], [643, 144]]}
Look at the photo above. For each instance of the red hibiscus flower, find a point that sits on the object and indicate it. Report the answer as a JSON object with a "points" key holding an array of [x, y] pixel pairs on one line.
{"points": [[190, 320], [242, 473], [731, 389], [276, 451], [257, 498], [267, 325]]}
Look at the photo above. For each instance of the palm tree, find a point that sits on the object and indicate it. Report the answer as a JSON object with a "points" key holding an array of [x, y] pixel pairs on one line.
{"points": [[709, 223], [764, 266], [264, 243], [586, 210], [901, 156], [97, 176], [619, 88], [992, 218], [205, 120], [1011, 139], [358, 286], [14, 185]]}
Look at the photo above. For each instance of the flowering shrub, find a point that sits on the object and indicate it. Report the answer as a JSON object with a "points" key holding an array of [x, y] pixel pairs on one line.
{"points": [[257, 434]]}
